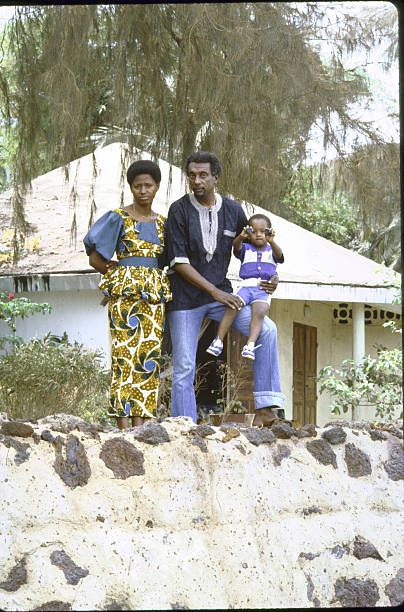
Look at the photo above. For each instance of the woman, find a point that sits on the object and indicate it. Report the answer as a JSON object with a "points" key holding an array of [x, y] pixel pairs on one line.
{"points": [[137, 289]]}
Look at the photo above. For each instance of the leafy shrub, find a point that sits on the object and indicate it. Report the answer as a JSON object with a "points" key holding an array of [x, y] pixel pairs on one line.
{"points": [[51, 375], [12, 307], [377, 381]]}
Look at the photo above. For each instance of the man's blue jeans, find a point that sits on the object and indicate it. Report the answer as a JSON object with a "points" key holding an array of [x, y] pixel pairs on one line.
{"points": [[184, 330]]}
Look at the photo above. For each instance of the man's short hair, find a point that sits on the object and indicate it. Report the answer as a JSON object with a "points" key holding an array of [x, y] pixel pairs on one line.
{"points": [[260, 216], [143, 166], [203, 157]]}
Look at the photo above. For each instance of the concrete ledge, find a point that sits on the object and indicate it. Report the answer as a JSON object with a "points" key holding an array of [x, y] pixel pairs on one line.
{"points": [[174, 516]]}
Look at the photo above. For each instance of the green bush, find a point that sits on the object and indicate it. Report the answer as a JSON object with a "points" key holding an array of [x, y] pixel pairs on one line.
{"points": [[11, 308], [52, 375], [376, 381]]}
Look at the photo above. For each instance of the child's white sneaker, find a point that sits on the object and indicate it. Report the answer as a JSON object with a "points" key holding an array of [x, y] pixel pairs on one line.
{"points": [[215, 348], [249, 351]]}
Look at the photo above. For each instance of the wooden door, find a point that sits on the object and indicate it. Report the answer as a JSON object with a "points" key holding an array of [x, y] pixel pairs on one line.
{"points": [[304, 373]]}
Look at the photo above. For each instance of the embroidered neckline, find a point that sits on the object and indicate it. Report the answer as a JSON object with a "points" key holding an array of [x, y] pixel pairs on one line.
{"points": [[200, 207], [208, 220]]}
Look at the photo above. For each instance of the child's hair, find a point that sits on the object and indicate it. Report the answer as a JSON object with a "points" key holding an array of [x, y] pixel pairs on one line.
{"points": [[260, 216]]}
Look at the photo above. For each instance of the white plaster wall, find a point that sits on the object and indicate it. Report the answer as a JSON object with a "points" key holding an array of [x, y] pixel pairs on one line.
{"points": [[285, 313], [374, 334], [78, 313], [334, 345]]}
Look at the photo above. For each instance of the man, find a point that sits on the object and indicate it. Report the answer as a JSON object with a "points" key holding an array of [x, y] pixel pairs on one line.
{"points": [[200, 230]]}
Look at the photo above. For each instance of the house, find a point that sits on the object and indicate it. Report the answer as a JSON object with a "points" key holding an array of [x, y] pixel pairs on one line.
{"points": [[330, 305]]}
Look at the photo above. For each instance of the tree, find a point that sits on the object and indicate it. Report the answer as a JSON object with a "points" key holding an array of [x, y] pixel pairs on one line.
{"points": [[354, 202], [314, 205], [370, 177], [242, 79]]}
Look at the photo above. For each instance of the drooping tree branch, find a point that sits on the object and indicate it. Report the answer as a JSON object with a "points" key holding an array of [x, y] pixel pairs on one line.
{"points": [[240, 79]]}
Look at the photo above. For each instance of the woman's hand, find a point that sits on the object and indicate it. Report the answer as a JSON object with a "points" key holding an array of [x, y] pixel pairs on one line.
{"points": [[98, 262], [270, 285], [111, 264]]}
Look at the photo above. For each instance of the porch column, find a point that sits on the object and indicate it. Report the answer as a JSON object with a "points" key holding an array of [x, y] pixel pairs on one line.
{"points": [[358, 335]]}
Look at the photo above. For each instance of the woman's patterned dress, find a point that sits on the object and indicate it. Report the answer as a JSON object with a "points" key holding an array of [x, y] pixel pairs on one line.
{"points": [[137, 295]]}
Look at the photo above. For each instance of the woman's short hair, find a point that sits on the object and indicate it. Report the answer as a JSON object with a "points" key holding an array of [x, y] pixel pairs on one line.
{"points": [[203, 157], [143, 166]]}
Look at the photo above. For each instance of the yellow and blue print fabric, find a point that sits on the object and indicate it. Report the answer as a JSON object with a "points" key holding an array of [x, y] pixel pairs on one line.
{"points": [[136, 331], [136, 306]]}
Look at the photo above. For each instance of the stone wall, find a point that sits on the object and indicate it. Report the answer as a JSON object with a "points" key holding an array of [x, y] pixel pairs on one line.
{"points": [[174, 516]]}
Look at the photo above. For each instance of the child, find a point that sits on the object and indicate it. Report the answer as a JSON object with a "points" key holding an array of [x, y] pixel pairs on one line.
{"points": [[259, 254]]}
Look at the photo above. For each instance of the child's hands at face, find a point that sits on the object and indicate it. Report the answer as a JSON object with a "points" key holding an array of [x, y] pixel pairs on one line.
{"points": [[270, 234], [247, 231]]}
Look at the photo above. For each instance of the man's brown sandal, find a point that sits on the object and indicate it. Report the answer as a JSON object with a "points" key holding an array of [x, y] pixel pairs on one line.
{"points": [[265, 417]]}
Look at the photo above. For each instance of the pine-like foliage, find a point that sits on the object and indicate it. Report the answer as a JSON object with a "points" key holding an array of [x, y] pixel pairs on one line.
{"points": [[371, 179], [240, 79]]}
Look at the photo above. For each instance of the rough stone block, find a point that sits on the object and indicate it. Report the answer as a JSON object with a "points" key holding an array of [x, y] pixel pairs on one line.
{"points": [[73, 573], [376, 434], [357, 593], [306, 431], [151, 433], [283, 430], [395, 464], [53, 606], [200, 443], [66, 423], [21, 454], [47, 436], [395, 589], [259, 436], [358, 462], [334, 435], [339, 551], [122, 458], [322, 451], [72, 465], [17, 428], [202, 430], [17, 576], [282, 452], [363, 549], [230, 434], [308, 556]]}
